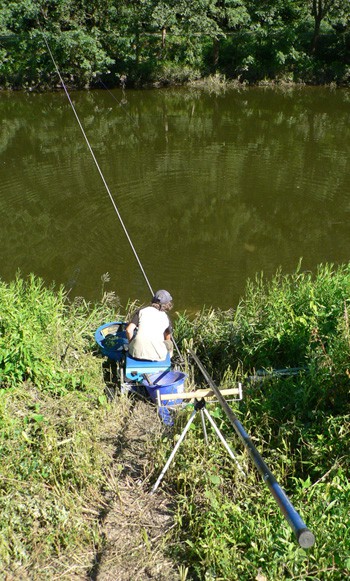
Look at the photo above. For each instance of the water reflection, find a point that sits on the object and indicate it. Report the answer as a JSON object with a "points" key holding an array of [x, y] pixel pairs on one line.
{"points": [[212, 188]]}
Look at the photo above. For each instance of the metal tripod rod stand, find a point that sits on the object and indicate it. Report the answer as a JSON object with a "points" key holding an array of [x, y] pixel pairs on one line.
{"points": [[199, 406]]}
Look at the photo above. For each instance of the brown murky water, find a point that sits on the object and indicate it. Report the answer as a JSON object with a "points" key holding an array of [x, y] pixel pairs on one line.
{"points": [[213, 188]]}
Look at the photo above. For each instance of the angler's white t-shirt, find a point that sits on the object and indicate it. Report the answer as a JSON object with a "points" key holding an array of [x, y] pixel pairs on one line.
{"points": [[149, 341]]}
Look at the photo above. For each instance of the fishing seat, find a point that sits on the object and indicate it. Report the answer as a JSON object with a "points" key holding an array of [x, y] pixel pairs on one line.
{"points": [[131, 372], [135, 369]]}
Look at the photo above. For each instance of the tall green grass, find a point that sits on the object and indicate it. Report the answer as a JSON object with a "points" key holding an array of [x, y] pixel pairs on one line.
{"points": [[229, 528], [299, 320], [55, 426], [55, 423]]}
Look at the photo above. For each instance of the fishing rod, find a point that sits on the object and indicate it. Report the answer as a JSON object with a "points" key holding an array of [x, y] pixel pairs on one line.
{"points": [[96, 163], [101, 174], [304, 536]]}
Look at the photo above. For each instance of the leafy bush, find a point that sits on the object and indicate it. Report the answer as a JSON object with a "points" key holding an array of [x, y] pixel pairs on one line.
{"points": [[253, 41], [42, 334]]}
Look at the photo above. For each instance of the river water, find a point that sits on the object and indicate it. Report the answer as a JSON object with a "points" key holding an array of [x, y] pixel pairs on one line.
{"points": [[212, 188]]}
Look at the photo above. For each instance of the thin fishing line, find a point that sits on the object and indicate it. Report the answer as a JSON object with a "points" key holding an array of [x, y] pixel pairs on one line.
{"points": [[97, 165], [101, 174]]}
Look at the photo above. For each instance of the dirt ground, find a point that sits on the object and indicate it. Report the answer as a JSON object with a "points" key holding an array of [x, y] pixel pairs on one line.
{"points": [[137, 523]]}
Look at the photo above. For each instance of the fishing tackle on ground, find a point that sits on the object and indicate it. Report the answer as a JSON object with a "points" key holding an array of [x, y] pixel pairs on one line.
{"points": [[304, 536]]}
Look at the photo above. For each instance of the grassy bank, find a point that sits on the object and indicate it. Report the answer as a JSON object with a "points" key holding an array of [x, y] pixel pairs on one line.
{"points": [[55, 431], [230, 527], [57, 449]]}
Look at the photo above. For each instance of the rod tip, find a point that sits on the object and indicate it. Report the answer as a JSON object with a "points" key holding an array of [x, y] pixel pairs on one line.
{"points": [[306, 539]]}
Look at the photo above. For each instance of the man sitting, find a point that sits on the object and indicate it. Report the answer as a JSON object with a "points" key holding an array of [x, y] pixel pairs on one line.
{"points": [[152, 340]]}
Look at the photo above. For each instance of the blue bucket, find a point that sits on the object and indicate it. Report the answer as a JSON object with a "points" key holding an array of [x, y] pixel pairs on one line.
{"points": [[166, 382]]}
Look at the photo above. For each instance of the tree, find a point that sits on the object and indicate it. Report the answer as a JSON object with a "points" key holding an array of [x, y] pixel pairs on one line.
{"points": [[74, 35], [230, 16], [322, 9]]}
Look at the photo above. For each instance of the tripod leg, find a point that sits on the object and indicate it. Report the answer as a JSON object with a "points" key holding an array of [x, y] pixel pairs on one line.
{"points": [[178, 444], [204, 426], [223, 441]]}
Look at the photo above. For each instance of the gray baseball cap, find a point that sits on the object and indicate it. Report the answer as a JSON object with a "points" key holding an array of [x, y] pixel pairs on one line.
{"points": [[162, 297]]}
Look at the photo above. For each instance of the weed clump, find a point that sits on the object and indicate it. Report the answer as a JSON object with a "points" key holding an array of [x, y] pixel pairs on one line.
{"points": [[288, 341], [55, 425]]}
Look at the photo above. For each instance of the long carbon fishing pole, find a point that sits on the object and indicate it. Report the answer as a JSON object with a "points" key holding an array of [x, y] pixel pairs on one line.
{"points": [[304, 536], [100, 172]]}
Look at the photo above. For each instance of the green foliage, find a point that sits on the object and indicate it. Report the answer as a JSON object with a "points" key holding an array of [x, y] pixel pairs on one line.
{"points": [[238, 539], [231, 528], [298, 321], [53, 421], [252, 40], [54, 464], [73, 33], [41, 334]]}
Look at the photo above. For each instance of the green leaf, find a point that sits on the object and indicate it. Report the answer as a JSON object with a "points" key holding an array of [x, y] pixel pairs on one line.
{"points": [[37, 418], [102, 400]]}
